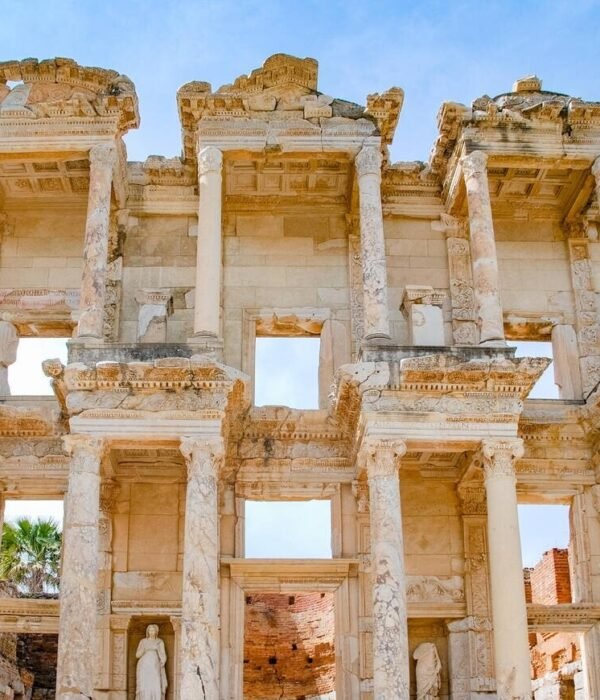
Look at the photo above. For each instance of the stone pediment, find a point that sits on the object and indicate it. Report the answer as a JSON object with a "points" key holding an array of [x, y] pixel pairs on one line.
{"points": [[284, 88], [60, 89]]}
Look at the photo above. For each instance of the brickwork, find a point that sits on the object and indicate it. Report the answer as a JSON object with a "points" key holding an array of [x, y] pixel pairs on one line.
{"points": [[549, 583], [289, 646], [550, 580]]}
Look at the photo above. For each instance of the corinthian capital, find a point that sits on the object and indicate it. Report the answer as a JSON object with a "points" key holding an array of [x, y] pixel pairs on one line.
{"points": [[474, 164], [103, 154], [499, 457], [202, 454], [368, 161], [382, 457], [84, 446], [210, 159]]}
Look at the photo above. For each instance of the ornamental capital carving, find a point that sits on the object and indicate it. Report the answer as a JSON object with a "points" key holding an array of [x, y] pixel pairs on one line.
{"points": [[382, 457], [84, 446], [103, 154], [368, 161], [108, 495], [210, 159], [360, 490], [474, 164], [203, 454], [499, 457]]}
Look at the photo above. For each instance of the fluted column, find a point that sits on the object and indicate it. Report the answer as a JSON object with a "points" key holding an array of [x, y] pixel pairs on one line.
{"points": [[509, 609], [95, 250], [483, 249], [199, 655], [78, 580], [374, 268], [390, 632], [207, 311]]}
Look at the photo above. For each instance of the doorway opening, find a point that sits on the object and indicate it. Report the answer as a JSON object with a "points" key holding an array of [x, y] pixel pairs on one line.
{"points": [[289, 650]]}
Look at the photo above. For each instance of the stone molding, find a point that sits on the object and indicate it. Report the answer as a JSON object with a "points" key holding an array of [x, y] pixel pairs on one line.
{"points": [[499, 457]]}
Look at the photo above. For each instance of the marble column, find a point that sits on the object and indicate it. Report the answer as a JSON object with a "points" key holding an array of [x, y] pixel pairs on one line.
{"points": [[9, 342], [78, 581], [390, 632], [509, 609], [95, 251], [207, 309], [200, 599], [483, 249], [374, 267]]}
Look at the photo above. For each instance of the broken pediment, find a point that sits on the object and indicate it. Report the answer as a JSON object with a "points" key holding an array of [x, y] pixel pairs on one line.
{"points": [[60, 88]]}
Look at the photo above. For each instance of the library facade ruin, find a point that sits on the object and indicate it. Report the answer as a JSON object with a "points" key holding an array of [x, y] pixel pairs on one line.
{"points": [[284, 217]]}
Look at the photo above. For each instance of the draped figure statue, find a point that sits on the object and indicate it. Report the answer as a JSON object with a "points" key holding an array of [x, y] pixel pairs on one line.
{"points": [[428, 672], [151, 677]]}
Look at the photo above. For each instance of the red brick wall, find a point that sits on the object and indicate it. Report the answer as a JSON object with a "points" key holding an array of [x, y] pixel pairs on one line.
{"points": [[288, 646], [550, 581]]}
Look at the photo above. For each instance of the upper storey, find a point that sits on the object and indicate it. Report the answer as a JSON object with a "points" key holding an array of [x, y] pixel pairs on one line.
{"points": [[540, 146]]}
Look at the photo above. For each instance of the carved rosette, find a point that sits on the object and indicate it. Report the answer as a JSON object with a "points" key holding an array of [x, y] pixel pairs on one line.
{"points": [[210, 159], [499, 457], [368, 161]]}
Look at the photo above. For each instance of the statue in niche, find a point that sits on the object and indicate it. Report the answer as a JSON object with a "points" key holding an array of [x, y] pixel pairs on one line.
{"points": [[151, 677], [428, 672]]}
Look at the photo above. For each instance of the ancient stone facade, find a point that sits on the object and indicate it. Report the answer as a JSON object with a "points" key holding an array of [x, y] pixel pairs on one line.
{"points": [[285, 217]]}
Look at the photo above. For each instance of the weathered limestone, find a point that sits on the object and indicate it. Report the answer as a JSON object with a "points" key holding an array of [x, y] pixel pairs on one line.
{"points": [[390, 635], [511, 645], [483, 249], [200, 599], [334, 351], [9, 342], [78, 584], [368, 172], [422, 306], [95, 251], [155, 306], [207, 311], [567, 374]]}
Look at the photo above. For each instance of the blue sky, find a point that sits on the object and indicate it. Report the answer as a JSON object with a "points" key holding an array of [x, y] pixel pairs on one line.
{"points": [[434, 50]]}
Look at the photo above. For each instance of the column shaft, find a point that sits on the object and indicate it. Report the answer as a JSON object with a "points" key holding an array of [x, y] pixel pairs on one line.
{"points": [[390, 632], [509, 609], [78, 581], [374, 267], [95, 251], [483, 249], [207, 312], [200, 599]]}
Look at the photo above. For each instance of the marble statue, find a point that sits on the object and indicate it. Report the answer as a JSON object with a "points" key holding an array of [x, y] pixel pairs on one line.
{"points": [[429, 668], [151, 678]]}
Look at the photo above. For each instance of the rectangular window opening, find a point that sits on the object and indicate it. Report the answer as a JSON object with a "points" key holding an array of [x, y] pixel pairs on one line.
{"points": [[286, 372], [545, 388], [31, 546], [288, 529], [25, 375]]}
